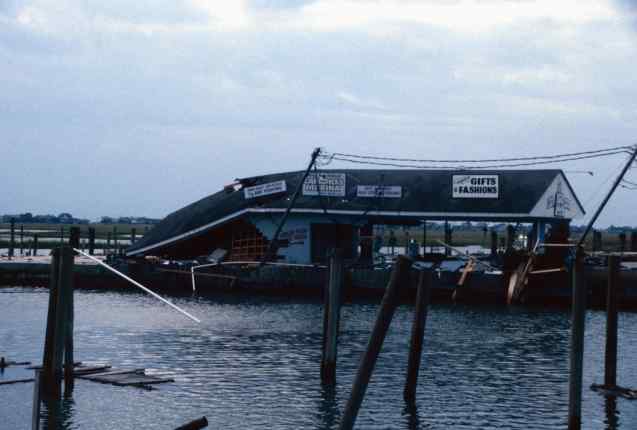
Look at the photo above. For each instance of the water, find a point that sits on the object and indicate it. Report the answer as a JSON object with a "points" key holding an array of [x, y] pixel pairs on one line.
{"points": [[254, 364]]}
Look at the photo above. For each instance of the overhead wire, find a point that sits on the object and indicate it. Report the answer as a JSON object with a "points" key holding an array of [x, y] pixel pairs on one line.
{"points": [[495, 166], [492, 160]]}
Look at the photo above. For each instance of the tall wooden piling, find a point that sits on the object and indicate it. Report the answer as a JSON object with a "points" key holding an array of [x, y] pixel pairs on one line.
{"points": [[108, 243], [417, 335], [333, 305], [494, 243], [50, 375], [133, 235], [74, 237], [633, 241], [610, 361], [12, 238], [58, 343], [91, 240], [622, 242], [21, 239], [576, 358], [399, 279], [447, 234]]}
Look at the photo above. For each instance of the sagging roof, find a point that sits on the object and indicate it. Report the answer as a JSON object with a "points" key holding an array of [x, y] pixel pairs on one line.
{"points": [[504, 195]]}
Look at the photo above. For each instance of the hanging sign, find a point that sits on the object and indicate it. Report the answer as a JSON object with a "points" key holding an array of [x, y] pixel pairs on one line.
{"points": [[265, 189], [388, 191], [329, 184], [475, 186]]}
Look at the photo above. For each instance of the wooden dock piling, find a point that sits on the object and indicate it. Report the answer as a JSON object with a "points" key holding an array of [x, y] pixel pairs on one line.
{"points": [[610, 359], [108, 243], [21, 239], [510, 238], [91, 240], [74, 237], [35, 244], [633, 241], [494, 243], [333, 307], [58, 343], [399, 279], [12, 238], [576, 358], [417, 335], [133, 235], [622, 242]]}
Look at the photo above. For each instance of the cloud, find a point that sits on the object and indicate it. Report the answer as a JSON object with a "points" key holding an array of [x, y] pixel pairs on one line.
{"points": [[120, 95]]}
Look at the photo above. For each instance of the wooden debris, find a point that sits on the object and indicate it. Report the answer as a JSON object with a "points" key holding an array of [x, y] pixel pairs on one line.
{"points": [[16, 381], [123, 377], [615, 391], [194, 425]]}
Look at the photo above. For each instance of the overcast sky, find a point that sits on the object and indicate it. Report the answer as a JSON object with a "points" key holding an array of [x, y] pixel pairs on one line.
{"points": [[140, 107]]}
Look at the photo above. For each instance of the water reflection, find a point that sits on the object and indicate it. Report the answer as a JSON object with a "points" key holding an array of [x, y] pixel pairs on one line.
{"points": [[57, 414], [612, 414]]}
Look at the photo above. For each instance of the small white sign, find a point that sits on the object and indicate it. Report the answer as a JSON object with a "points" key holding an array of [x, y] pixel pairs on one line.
{"points": [[476, 186], [388, 191], [265, 189], [329, 184]]}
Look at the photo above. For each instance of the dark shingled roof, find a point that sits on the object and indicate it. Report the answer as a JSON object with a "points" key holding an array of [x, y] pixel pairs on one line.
{"points": [[423, 191]]}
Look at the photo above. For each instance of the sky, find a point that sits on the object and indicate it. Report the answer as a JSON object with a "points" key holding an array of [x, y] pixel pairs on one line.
{"points": [[139, 108]]}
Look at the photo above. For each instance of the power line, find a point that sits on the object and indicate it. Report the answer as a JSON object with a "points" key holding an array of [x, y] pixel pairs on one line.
{"points": [[495, 166], [492, 160]]}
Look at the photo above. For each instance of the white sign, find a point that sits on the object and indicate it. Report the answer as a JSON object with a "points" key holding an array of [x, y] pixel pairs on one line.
{"points": [[264, 189], [390, 191], [476, 186], [329, 184]]}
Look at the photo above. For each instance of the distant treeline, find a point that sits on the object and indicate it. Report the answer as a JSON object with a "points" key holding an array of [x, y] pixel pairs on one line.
{"points": [[67, 218]]}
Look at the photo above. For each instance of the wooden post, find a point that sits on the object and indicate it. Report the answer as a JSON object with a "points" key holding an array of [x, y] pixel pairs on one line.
{"points": [[597, 240], [66, 298], [578, 313], [494, 243], [133, 235], [399, 279], [108, 243], [622, 242], [424, 237], [61, 235], [58, 342], [35, 244], [633, 241], [510, 238], [115, 239], [49, 365], [35, 411], [447, 239], [74, 237], [610, 366], [21, 239], [328, 367], [417, 335], [64, 326], [12, 238], [91, 240]]}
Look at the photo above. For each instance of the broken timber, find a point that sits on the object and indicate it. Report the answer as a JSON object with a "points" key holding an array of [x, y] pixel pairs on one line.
{"points": [[126, 378]]}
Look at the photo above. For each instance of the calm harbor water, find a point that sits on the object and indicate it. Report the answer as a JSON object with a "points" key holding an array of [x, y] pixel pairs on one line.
{"points": [[253, 363]]}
